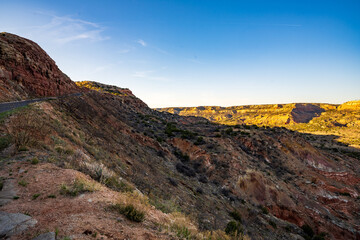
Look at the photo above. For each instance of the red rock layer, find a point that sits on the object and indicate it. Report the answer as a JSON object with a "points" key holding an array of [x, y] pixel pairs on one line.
{"points": [[26, 71]]}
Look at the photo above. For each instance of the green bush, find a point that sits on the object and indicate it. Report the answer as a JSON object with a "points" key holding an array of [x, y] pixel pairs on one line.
{"points": [[59, 149], [130, 212], [182, 156], [233, 228], [199, 141], [117, 185], [4, 142], [235, 215], [320, 236], [345, 194], [22, 149], [170, 129], [23, 183], [264, 210], [35, 196], [34, 161], [229, 131], [185, 134], [159, 139], [273, 224], [308, 230]]}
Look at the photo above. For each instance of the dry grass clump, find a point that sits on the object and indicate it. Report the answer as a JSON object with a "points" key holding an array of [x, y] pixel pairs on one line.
{"points": [[79, 186], [129, 211], [98, 171], [183, 227], [133, 205], [28, 127]]}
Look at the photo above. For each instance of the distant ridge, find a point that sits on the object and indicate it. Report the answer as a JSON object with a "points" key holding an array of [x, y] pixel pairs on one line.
{"points": [[305, 117]]}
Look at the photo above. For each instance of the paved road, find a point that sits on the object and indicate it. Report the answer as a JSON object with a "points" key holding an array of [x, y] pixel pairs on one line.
{"points": [[7, 106]]}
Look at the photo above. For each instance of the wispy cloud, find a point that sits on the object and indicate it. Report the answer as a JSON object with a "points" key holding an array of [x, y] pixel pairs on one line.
{"points": [[126, 48], [161, 51], [122, 51], [100, 68], [66, 29], [145, 44], [142, 42], [149, 76]]}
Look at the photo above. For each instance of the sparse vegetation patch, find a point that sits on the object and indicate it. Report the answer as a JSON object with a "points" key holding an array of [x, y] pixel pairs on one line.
{"points": [[78, 187], [129, 211]]}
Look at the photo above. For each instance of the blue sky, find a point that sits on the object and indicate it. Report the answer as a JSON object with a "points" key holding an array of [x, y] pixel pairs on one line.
{"points": [[204, 52]]}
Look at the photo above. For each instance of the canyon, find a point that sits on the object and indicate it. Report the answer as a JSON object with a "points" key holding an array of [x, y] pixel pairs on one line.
{"points": [[188, 173]]}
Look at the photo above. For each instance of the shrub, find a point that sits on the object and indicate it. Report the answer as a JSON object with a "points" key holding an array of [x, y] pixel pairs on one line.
{"points": [[287, 228], [130, 212], [235, 215], [79, 186], [35, 196], [183, 157], [22, 149], [1, 184], [233, 228], [185, 134], [264, 210], [28, 127], [59, 149], [187, 171], [308, 230], [117, 185], [23, 183], [273, 224], [166, 206], [159, 139], [170, 129], [199, 141], [34, 161], [69, 151], [229, 131], [4, 142], [320, 236], [345, 194]]}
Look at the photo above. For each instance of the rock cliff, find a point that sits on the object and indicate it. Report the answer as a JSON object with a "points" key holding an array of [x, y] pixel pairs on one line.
{"points": [[27, 71]]}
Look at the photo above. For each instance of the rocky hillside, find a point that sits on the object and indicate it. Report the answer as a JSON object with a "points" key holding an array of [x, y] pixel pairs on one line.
{"points": [[26, 71], [270, 115], [342, 121], [136, 173]]}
